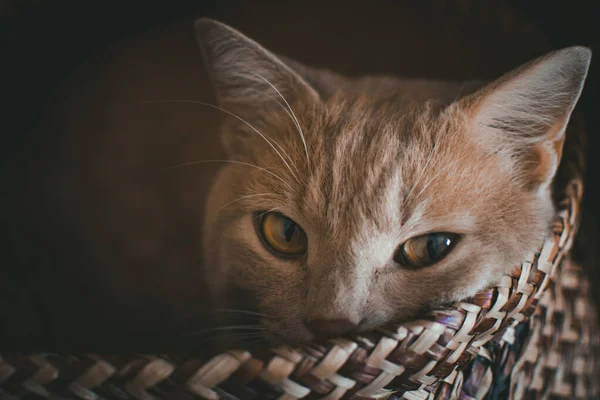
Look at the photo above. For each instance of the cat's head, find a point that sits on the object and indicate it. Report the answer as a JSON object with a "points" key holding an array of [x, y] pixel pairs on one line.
{"points": [[350, 203]]}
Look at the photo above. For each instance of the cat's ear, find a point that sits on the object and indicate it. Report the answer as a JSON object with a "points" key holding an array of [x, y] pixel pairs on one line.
{"points": [[524, 114], [245, 75]]}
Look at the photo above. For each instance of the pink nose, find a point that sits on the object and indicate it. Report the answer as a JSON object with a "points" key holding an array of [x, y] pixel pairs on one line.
{"points": [[330, 328]]}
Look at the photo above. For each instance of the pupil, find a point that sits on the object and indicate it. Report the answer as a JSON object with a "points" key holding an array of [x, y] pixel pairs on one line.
{"points": [[289, 228], [436, 245]]}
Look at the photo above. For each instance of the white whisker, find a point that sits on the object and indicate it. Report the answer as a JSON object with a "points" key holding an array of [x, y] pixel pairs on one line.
{"points": [[233, 115], [268, 211], [294, 119], [289, 115], [241, 336], [429, 182], [246, 197], [246, 312], [232, 162]]}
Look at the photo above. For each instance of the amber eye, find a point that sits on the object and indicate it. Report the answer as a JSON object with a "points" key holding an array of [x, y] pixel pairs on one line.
{"points": [[282, 235], [425, 250]]}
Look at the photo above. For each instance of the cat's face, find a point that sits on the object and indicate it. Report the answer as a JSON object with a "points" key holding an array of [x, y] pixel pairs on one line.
{"points": [[360, 202]]}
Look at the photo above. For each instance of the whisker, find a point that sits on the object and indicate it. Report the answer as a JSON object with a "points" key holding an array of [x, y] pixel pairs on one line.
{"points": [[246, 197], [274, 99], [289, 115], [233, 115], [268, 211], [232, 162], [241, 335], [294, 119], [232, 310], [429, 182]]}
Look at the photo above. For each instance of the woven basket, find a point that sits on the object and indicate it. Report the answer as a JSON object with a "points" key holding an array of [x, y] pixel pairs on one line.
{"points": [[534, 335]]}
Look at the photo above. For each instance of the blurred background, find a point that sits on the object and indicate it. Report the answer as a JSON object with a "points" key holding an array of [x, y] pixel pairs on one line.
{"points": [[43, 42]]}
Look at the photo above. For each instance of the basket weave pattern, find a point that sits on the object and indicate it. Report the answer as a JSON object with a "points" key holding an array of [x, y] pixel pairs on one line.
{"points": [[534, 335]]}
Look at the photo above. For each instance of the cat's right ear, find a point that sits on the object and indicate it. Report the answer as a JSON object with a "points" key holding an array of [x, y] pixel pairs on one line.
{"points": [[523, 115], [246, 77]]}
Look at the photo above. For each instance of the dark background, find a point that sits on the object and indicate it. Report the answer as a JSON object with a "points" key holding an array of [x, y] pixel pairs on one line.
{"points": [[42, 42]]}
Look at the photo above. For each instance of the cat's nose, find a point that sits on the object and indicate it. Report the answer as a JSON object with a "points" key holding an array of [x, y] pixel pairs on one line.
{"points": [[330, 328]]}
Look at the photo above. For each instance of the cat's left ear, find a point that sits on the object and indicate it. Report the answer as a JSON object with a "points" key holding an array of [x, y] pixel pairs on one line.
{"points": [[524, 114], [245, 75]]}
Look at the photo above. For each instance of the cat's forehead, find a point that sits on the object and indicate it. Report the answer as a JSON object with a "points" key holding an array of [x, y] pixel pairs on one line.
{"points": [[369, 125], [365, 160], [379, 170], [375, 161]]}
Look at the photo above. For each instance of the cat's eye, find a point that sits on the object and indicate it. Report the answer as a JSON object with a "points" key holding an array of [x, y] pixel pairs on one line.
{"points": [[425, 250], [282, 235]]}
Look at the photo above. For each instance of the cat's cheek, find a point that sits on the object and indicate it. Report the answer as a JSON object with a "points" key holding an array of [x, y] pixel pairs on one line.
{"points": [[482, 269], [275, 285], [454, 279], [282, 301]]}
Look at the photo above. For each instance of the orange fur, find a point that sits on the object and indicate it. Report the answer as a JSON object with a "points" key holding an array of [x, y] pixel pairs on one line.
{"points": [[390, 159]]}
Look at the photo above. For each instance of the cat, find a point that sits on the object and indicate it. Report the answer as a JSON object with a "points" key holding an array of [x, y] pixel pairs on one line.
{"points": [[331, 204], [373, 198]]}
